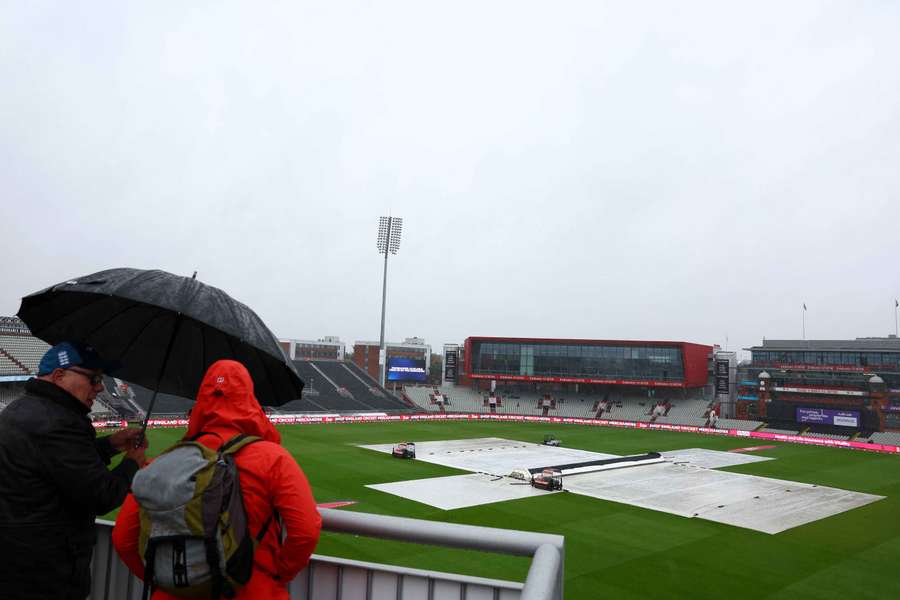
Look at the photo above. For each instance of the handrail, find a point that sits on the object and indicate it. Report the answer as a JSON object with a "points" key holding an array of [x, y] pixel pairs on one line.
{"points": [[545, 576], [112, 580]]}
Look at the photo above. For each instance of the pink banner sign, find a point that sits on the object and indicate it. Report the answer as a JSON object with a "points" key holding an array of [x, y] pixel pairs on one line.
{"points": [[320, 419]]}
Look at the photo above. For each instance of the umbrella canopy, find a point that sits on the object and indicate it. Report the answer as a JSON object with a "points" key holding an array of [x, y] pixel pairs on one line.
{"points": [[165, 329]]}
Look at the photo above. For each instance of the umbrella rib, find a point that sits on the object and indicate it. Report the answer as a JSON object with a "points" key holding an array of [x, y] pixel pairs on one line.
{"points": [[134, 339], [97, 298], [69, 314], [104, 323]]}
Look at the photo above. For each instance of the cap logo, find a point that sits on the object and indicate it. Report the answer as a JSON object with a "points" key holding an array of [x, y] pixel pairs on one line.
{"points": [[220, 379], [63, 357]]}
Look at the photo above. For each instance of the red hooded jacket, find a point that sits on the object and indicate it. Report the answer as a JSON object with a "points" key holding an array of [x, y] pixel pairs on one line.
{"points": [[270, 479]]}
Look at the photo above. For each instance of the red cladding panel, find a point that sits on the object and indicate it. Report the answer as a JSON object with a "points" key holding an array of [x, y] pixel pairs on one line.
{"points": [[696, 364]]}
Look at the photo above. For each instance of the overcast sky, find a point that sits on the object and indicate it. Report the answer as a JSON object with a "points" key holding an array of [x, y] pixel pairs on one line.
{"points": [[671, 170]]}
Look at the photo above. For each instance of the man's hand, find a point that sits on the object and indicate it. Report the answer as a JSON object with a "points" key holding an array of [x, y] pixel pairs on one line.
{"points": [[125, 439], [137, 454]]}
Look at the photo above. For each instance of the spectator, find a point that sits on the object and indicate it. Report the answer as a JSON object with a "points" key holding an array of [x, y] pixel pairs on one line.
{"points": [[270, 479], [54, 479]]}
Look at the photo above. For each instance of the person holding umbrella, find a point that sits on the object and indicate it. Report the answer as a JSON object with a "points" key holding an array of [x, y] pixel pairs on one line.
{"points": [[54, 479]]}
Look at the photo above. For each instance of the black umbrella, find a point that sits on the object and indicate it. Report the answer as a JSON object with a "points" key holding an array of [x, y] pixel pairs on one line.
{"points": [[165, 329]]}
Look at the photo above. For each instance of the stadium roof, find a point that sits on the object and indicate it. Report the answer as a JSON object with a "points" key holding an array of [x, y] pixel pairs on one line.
{"points": [[394, 345], [888, 344], [577, 341], [13, 325]]}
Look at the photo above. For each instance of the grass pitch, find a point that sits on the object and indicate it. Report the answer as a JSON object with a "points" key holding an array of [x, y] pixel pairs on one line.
{"points": [[614, 550]]}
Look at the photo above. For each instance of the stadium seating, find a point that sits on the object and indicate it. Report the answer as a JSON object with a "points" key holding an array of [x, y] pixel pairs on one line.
{"points": [[690, 410], [27, 350], [782, 431], [576, 407], [101, 408], [830, 436], [738, 424], [166, 404], [10, 367], [421, 396], [367, 393], [323, 393], [885, 437], [334, 386]]}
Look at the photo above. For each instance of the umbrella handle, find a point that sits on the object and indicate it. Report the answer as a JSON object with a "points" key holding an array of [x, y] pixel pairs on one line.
{"points": [[140, 439]]}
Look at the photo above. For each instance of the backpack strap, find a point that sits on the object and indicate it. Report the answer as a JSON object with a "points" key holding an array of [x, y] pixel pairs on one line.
{"points": [[231, 447], [212, 559], [150, 561], [237, 442], [265, 528], [200, 434]]}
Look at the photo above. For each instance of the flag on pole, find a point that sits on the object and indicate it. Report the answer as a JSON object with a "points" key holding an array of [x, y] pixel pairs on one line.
{"points": [[804, 306], [896, 304]]}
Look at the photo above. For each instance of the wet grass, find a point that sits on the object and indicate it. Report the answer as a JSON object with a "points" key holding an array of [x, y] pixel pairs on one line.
{"points": [[614, 550]]}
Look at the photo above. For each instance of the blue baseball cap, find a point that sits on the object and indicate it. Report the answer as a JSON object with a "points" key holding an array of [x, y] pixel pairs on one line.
{"points": [[72, 354]]}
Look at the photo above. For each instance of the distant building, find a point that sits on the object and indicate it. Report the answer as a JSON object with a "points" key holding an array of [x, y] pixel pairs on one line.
{"points": [[595, 362], [850, 384], [406, 362], [326, 348], [14, 325]]}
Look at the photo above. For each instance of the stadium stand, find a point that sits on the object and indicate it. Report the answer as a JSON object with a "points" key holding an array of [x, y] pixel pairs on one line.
{"points": [[166, 404], [122, 399], [612, 405], [463, 399], [831, 436], [738, 424], [783, 431], [423, 397], [326, 393], [23, 350], [576, 407], [885, 437], [101, 409], [335, 386], [9, 367], [367, 393]]}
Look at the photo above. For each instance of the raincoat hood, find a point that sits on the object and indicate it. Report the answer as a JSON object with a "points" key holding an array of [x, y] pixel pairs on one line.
{"points": [[227, 406]]}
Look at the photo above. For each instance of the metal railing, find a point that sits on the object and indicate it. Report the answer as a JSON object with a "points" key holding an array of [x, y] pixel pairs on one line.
{"points": [[329, 578]]}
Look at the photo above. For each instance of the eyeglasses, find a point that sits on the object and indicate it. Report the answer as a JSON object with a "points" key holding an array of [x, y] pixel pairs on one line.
{"points": [[95, 378]]}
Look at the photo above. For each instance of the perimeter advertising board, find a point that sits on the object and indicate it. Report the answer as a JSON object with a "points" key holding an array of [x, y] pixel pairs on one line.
{"points": [[825, 416], [406, 369]]}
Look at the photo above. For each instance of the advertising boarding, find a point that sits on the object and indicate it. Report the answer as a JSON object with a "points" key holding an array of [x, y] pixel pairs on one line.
{"points": [[825, 416]]}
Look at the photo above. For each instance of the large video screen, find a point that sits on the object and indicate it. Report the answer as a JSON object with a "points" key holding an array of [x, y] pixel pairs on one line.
{"points": [[842, 418], [406, 369]]}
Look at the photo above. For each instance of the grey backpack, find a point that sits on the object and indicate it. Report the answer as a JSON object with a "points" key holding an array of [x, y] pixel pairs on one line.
{"points": [[194, 537]]}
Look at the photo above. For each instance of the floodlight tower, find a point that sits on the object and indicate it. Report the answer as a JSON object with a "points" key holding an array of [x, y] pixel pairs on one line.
{"points": [[389, 229]]}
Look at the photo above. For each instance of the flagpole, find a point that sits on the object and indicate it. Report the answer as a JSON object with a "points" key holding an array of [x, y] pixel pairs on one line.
{"points": [[804, 321], [896, 304]]}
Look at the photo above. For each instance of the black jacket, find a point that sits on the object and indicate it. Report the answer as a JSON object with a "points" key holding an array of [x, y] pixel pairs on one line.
{"points": [[54, 481]]}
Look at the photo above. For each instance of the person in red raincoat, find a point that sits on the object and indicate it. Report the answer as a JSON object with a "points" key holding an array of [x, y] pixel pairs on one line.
{"points": [[270, 479]]}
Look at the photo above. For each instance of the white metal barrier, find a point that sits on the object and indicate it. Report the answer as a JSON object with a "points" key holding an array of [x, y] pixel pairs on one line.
{"points": [[329, 578]]}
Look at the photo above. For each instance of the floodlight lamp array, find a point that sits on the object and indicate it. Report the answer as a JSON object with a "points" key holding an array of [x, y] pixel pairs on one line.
{"points": [[389, 227], [396, 230]]}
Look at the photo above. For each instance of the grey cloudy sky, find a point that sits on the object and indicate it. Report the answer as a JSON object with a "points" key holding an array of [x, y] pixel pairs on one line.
{"points": [[568, 169]]}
